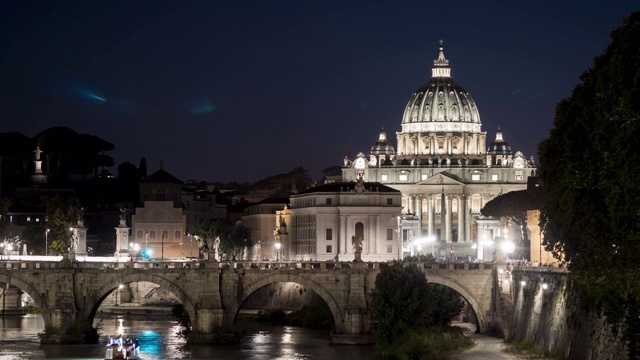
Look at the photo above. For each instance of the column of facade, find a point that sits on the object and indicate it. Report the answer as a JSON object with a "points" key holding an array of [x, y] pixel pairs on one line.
{"points": [[342, 236], [449, 143], [374, 221], [410, 204], [430, 216], [469, 221], [432, 144], [419, 213], [462, 218], [448, 217]]}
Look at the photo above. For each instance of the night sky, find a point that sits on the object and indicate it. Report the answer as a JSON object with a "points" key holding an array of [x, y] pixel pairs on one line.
{"points": [[241, 90]]}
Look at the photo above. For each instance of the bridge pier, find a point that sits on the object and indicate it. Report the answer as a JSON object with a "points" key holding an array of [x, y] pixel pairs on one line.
{"points": [[355, 329]]}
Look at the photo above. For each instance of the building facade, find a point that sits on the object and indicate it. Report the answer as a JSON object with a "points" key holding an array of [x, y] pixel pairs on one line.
{"points": [[443, 168], [324, 222]]}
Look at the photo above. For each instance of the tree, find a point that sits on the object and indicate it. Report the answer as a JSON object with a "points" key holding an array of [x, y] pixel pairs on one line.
{"points": [[62, 213], [206, 232], [5, 204], [589, 168], [142, 168], [35, 238], [399, 302], [447, 304], [234, 239]]}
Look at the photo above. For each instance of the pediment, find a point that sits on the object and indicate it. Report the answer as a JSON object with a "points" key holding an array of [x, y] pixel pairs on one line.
{"points": [[440, 179]]}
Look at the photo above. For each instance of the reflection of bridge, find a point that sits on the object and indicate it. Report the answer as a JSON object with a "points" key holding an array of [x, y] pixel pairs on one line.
{"points": [[213, 292]]}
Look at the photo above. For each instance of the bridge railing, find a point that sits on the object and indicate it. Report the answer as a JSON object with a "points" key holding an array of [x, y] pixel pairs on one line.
{"points": [[244, 265]]}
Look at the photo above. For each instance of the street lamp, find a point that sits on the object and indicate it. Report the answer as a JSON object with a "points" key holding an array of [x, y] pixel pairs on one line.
{"points": [[46, 242], [278, 246]]}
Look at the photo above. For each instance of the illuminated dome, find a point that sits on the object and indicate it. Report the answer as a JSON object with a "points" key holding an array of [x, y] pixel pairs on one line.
{"points": [[382, 146], [441, 104], [499, 146], [441, 123]]}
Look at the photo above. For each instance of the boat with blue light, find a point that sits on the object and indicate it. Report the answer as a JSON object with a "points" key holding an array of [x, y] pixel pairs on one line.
{"points": [[122, 348]]}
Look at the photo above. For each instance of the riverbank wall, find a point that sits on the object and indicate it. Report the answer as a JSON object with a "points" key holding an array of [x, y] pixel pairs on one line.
{"points": [[546, 311]]}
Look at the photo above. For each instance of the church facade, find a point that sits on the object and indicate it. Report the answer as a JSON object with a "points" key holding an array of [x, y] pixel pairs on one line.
{"points": [[444, 170]]}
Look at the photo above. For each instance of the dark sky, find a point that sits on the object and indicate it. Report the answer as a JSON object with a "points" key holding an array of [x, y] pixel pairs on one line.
{"points": [[241, 90]]}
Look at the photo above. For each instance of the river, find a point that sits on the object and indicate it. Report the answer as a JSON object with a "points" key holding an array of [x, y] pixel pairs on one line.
{"points": [[159, 340]]}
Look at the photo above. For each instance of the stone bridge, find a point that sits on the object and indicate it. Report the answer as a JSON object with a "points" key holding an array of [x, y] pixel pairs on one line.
{"points": [[213, 292]]}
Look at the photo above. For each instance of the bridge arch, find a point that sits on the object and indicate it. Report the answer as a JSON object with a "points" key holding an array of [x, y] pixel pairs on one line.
{"points": [[32, 291], [466, 294], [281, 278], [107, 287]]}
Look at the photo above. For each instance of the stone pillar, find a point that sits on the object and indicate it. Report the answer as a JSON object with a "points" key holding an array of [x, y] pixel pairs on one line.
{"points": [[462, 218], [448, 217], [80, 238], [469, 218], [122, 239], [431, 219], [419, 213], [356, 315], [343, 235]]}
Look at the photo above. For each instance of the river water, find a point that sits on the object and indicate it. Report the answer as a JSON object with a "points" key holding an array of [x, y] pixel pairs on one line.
{"points": [[159, 340]]}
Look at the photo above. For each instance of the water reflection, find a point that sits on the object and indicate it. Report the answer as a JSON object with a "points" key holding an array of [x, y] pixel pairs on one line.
{"points": [[160, 340]]}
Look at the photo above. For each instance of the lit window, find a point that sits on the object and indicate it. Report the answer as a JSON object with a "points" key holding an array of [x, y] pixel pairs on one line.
{"points": [[424, 177], [37, 219], [329, 249], [475, 177], [28, 218], [494, 177], [384, 177], [389, 234], [403, 177], [475, 206]]}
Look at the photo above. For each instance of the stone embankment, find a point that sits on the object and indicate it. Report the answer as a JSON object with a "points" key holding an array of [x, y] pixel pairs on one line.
{"points": [[547, 311]]}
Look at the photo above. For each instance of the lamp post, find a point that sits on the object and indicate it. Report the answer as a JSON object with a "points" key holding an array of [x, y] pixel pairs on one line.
{"points": [[46, 242], [190, 245], [278, 245]]}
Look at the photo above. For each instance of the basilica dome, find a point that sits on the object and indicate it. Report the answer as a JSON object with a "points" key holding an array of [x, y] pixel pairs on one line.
{"points": [[441, 104], [382, 146], [441, 123]]}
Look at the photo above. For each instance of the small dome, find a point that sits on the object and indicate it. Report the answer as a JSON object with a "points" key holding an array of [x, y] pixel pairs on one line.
{"points": [[382, 146], [499, 146]]}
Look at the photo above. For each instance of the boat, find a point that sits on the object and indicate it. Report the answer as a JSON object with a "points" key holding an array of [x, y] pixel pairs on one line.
{"points": [[122, 348]]}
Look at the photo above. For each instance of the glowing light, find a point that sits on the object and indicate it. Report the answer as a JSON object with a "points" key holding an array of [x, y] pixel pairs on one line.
{"points": [[202, 106], [508, 247], [91, 95], [523, 283], [544, 286], [506, 282]]}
